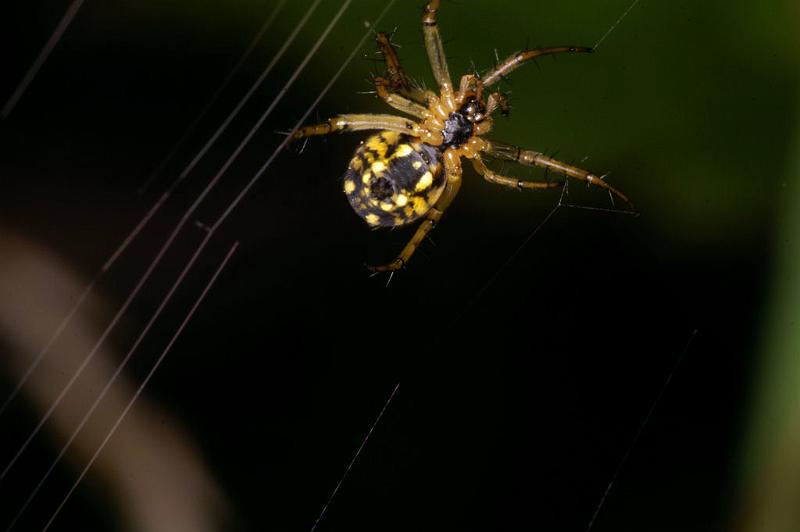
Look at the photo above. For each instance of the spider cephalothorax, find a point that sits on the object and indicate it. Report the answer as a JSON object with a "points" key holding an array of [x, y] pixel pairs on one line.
{"points": [[412, 169], [457, 129]]}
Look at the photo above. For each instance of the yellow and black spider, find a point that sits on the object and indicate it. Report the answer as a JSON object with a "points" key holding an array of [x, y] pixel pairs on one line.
{"points": [[412, 169]]}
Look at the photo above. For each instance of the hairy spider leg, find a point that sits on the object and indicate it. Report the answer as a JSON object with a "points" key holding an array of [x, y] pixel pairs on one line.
{"points": [[498, 179], [359, 122], [497, 100], [433, 44], [452, 168], [395, 74], [433, 109], [394, 70], [514, 61], [401, 103], [535, 158]]}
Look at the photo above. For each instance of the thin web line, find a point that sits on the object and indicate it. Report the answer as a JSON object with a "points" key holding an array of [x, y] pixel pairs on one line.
{"points": [[519, 249], [105, 390], [635, 214], [639, 432], [72, 10], [252, 90], [82, 298], [63, 325], [165, 247], [142, 385], [235, 202], [501, 269], [305, 116], [477, 296], [560, 204], [615, 24], [355, 457], [214, 97], [122, 364], [531, 235], [122, 247]]}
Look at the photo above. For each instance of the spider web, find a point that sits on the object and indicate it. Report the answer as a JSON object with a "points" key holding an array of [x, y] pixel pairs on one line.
{"points": [[210, 230]]}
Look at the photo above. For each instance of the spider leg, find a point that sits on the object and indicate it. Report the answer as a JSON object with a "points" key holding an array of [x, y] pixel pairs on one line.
{"points": [[493, 177], [395, 75], [433, 44], [397, 101], [497, 101], [432, 217], [535, 158], [359, 122], [516, 60]]}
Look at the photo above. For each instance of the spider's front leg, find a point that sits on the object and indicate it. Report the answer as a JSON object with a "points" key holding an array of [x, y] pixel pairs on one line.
{"points": [[396, 79], [472, 83], [516, 60], [432, 217], [497, 100], [433, 44], [535, 158]]}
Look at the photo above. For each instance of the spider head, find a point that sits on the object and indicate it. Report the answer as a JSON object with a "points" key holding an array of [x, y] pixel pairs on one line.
{"points": [[473, 109], [461, 123]]}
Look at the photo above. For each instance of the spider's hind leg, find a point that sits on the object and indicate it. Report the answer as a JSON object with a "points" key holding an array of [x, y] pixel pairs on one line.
{"points": [[432, 217], [492, 177], [427, 225], [538, 159]]}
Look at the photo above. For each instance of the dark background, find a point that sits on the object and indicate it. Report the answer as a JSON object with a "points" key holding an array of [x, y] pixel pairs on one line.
{"points": [[524, 376]]}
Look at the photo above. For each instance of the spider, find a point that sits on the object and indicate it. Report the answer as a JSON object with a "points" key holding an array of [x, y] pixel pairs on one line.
{"points": [[411, 170]]}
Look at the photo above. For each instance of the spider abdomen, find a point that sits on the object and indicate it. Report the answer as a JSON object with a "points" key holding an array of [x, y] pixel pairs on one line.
{"points": [[393, 179]]}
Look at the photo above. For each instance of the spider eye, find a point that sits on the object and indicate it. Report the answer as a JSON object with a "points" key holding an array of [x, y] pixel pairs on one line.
{"points": [[473, 110]]}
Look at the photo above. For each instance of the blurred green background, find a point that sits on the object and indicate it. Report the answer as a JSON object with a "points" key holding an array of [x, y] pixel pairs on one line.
{"points": [[524, 382]]}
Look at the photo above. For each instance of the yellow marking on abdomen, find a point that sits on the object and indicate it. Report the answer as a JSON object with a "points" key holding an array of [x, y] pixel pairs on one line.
{"points": [[377, 145], [424, 182], [403, 150], [391, 137], [420, 206]]}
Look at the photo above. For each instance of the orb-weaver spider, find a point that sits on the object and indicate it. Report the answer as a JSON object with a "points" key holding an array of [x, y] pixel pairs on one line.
{"points": [[412, 170]]}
